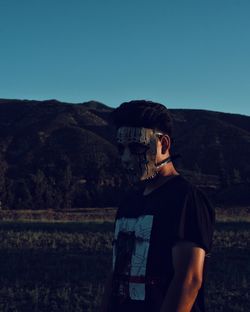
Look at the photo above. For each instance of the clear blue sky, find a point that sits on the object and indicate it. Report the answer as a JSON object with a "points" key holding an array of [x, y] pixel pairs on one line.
{"points": [[182, 53]]}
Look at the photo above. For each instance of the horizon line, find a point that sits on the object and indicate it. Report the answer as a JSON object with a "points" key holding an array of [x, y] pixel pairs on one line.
{"points": [[99, 102]]}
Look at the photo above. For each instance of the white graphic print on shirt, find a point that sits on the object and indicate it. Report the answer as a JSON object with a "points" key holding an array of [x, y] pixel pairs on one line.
{"points": [[130, 253]]}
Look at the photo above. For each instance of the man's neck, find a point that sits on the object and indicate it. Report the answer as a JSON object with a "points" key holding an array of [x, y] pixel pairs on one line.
{"points": [[163, 176]]}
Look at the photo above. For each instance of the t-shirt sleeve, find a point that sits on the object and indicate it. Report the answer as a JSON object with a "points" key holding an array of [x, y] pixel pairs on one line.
{"points": [[196, 220]]}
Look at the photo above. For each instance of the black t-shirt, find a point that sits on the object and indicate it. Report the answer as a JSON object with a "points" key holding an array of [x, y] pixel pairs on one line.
{"points": [[146, 229]]}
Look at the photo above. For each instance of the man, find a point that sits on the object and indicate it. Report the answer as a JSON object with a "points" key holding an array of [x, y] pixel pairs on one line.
{"points": [[163, 229]]}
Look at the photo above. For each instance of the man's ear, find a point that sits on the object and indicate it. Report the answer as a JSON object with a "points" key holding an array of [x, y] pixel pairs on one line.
{"points": [[165, 144]]}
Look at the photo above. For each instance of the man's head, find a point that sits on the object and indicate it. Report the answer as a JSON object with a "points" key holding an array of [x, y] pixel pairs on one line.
{"points": [[144, 131]]}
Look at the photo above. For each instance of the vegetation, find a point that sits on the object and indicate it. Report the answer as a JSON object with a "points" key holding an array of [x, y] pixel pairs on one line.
{"points": [[58, 155], [61, 266]]}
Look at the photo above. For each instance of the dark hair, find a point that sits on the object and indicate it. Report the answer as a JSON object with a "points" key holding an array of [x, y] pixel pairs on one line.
{"points": [[142, 113]]}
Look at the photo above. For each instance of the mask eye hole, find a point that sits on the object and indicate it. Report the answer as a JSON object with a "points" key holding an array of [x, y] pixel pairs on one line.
{"points": [[136, 148], [120, 148]]}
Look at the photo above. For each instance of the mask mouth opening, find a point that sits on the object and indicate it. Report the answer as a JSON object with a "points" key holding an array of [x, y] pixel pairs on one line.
{"points": [[129, 170]]}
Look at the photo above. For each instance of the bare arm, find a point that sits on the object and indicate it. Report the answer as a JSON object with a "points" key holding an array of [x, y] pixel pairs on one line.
{"points": [[107, 293], [188, 261]]}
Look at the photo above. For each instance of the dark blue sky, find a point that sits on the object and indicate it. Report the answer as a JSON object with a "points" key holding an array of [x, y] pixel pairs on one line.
{"points": [[182, 53]]}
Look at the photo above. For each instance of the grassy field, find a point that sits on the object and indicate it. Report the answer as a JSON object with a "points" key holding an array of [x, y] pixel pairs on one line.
{"points": [[59, 263]]}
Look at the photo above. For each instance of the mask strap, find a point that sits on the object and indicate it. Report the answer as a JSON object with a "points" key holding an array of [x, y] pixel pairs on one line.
{"points": [[167, 160], [164, 162]]}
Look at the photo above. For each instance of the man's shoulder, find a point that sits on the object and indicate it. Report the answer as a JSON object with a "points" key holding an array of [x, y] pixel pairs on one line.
{"points": [[178, 184], [178, 192], [183, 187]]}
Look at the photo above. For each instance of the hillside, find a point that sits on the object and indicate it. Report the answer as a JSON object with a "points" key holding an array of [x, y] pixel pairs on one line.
{"points": [[61, 155]]}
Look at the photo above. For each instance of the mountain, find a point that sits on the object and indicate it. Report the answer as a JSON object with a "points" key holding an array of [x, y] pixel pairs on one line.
{"points": [[62, 155], [216, 148]]}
